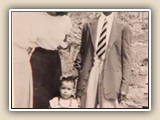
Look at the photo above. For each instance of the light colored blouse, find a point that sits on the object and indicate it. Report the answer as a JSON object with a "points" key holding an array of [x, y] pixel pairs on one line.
{"points": [[50, 31], [39, 29], [22, 29], [22, 35]]}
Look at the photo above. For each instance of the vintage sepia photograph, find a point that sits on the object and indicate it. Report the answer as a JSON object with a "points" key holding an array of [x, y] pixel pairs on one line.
{"points": [[79, 59]]}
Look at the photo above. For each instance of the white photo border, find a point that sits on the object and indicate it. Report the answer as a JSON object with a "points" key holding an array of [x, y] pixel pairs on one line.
{"points": [[78, 109]]}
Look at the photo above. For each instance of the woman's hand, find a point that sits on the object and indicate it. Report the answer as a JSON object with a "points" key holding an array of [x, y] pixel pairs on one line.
{"points": [[29, 50]]}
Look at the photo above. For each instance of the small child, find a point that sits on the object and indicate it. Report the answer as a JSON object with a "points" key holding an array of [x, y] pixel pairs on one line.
{"points": [[66, 99]]}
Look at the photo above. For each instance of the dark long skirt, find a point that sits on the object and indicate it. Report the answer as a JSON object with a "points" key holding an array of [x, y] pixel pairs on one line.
{"points": [[46, 69]]}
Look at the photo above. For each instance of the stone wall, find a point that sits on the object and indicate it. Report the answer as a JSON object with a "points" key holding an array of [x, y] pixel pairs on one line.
{"points": [[138, 21]]}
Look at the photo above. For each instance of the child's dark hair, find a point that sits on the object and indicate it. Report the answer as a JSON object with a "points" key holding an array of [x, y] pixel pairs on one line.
{"points": [[68, 79]]}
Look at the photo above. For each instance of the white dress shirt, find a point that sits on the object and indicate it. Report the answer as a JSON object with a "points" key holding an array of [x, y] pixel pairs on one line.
{"points": [[98, 64]]}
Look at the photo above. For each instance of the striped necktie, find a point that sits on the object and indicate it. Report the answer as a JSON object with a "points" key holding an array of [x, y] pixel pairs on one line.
{"points": [[102, 41]]}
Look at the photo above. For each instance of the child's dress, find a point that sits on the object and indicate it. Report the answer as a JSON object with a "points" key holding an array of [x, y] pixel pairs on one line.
{"points": [[58, 102]]}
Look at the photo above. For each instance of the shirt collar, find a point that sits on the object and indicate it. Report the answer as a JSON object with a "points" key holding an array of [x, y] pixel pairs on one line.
{"points": [[108, 18]]}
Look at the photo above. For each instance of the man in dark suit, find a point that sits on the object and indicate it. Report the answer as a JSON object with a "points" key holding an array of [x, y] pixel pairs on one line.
{"points": [[104, 62]]}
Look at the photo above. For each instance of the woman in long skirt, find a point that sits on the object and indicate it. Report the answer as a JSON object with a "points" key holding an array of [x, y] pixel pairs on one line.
{"points": [[51, 29]]}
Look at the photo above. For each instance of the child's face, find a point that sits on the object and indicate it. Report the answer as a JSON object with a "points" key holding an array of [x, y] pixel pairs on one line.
{"points": [[66, 89]]}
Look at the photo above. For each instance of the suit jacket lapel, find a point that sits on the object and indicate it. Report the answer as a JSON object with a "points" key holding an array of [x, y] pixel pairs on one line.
{"points": [[115, 31], [93, 31]]}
